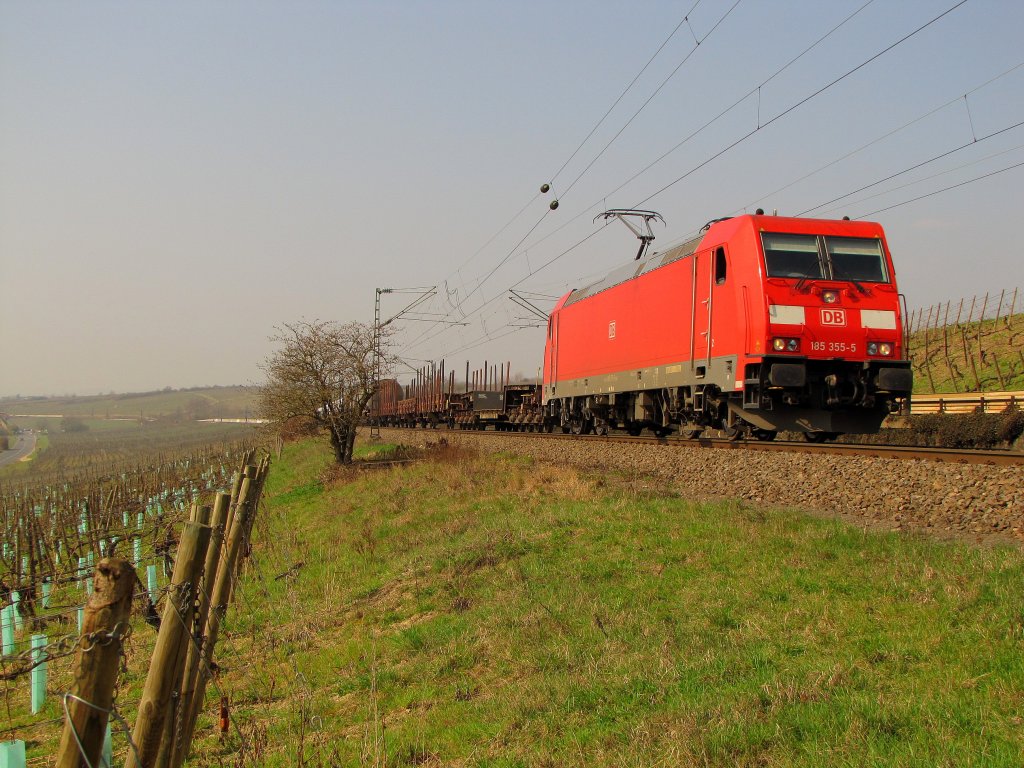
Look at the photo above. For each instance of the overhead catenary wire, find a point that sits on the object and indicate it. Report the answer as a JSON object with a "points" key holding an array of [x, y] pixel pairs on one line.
{"points": [[756, 89], [568, 160], [946, 172], [461, 302], [707, 124], [625, 90], [864, 146], [808, 98], [944, 189], [914, 167], [650, 98], [884, 136], [733, 144], [782, 114]]}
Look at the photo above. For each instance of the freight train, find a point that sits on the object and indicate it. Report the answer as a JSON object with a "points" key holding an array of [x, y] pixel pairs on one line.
{"points": [[760, 324]]}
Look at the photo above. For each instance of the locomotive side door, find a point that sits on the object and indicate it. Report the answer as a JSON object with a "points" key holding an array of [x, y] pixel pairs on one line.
{"points": [[701, 307], [552, 351]]}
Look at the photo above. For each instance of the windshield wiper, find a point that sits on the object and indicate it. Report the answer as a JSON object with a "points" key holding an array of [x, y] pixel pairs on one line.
{"points": [[860, 287]]}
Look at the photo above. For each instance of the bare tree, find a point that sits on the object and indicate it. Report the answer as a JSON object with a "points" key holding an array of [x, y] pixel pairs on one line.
{"points": [[324, 372]]}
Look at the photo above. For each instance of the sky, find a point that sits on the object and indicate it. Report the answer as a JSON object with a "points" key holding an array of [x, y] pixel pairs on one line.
{"points": [[177, 179]]}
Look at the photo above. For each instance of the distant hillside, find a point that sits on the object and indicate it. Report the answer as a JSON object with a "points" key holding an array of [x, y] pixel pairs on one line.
{"points": [[199, 403], [968, 355]]}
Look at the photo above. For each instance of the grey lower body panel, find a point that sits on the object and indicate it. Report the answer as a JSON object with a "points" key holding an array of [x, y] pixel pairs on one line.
{"points": [[718, 371]]}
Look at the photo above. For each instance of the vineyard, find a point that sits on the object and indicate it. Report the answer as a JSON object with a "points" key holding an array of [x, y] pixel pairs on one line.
{"points": [[92, 507], [968, 345], [183, 404], [100, 446]]}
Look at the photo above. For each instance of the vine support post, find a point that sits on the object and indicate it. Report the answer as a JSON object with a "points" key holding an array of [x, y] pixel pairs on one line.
{"points": [[104, 626], [168, 660]]}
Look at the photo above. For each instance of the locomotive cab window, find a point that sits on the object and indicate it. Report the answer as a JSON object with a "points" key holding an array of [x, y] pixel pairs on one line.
{"points": [[720, 266], [856, 258], [792, 256]]}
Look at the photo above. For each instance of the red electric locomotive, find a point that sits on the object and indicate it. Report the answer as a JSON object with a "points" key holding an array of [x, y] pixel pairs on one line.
{"points": [[762, 324]]}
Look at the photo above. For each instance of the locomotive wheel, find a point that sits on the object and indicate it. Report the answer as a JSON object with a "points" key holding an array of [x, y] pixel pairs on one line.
{"points": [[820, 437], [693, 434], [634, 430], [765, 434], [735, 434], [662, 431]]}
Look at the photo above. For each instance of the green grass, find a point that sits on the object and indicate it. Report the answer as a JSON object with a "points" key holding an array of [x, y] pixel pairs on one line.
{"points": [[493, 612]]}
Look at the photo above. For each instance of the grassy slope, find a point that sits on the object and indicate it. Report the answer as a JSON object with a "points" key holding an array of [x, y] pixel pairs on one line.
{"points": [[495, 612], [225, 402], [1001, 340]]}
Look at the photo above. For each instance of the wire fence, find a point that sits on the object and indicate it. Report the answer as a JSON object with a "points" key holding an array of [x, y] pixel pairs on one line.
{"points": [[49, 556], [969, 345]]}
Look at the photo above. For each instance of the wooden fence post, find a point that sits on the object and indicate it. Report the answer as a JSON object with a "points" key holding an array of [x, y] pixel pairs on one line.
{"points": [[172, 732], [96, 663], [219, 601], [165, 668], [180, 748]]}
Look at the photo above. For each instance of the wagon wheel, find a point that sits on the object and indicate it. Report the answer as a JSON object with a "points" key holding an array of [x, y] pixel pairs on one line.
{"points": [[662, 431], [820, 437], [634, 429], [765, 434], [601, 428], [693, 434]]}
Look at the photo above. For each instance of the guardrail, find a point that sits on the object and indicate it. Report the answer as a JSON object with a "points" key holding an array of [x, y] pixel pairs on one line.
{"points": [[970, 402]]}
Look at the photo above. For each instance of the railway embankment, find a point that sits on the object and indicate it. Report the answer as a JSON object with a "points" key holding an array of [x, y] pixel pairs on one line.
{"points": [[463, 607], [980, 502]]}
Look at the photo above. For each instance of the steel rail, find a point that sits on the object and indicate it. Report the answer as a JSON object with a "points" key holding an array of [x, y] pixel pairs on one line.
{"points": [[901, 452]]}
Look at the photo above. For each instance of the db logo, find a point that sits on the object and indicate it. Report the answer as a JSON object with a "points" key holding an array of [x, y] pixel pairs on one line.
{"points": [[833, 317], [611, 330]]}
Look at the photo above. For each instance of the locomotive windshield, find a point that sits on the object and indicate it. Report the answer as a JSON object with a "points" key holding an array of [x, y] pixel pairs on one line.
{"points": [[792, 256], [816, 257], [856, 258]]}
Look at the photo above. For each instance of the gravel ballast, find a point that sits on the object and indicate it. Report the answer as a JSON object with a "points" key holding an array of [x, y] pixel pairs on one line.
{"points": [[973, 501]]}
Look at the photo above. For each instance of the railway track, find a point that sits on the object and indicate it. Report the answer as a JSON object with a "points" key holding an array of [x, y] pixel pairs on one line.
{"points": [[946, 455]]}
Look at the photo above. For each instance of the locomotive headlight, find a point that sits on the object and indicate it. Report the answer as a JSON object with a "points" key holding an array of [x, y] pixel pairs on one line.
{"points": [[830, 297], [882, 348], [786, 345], [792, 345], [778, 344]]}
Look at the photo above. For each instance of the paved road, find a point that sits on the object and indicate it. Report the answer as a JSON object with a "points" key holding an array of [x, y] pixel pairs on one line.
{"points": [[23, 446]]}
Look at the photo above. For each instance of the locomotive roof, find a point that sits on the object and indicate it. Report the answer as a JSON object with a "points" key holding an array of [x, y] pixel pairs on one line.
{"points": [[635, 269], [762, 222]]}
